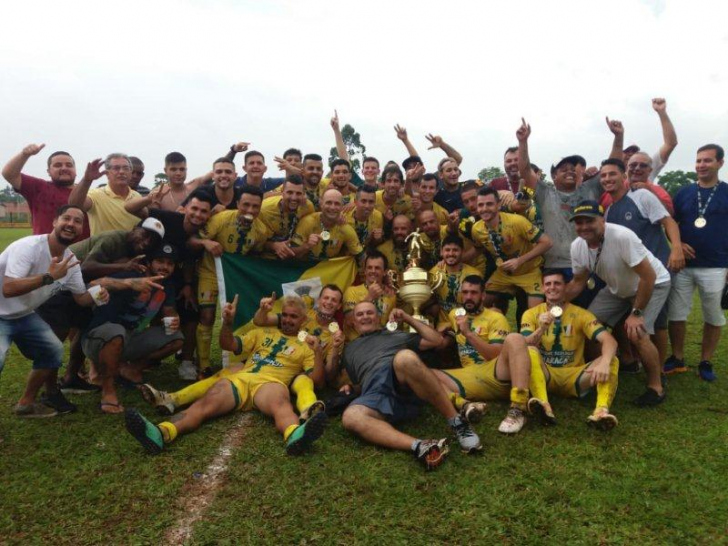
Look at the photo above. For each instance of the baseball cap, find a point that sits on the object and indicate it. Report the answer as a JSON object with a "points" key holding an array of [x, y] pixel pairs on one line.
{"points": [[410, 161], [587, 208], [153, 225], [164, 251], [570, 159], [631, 149]]}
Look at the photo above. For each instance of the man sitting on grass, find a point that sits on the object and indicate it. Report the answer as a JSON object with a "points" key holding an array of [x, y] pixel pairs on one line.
{"points": [[274, 357]]}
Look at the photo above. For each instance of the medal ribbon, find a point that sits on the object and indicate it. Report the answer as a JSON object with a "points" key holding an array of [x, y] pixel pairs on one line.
{"points": [[701, 208]]}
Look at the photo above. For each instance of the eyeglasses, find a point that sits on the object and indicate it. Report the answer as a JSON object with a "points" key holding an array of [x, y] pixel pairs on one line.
{"points": [[633, 166], [117, 168]]}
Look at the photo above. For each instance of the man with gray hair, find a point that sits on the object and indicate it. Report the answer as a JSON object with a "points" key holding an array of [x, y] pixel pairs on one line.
{"points": [[105, 206]]}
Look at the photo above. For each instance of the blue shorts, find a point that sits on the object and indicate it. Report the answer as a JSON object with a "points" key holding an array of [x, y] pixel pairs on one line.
{"points": [[384, 394], [34, 338]]}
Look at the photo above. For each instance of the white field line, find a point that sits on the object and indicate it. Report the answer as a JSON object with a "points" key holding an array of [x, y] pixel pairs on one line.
{"points": [[197, 499]]}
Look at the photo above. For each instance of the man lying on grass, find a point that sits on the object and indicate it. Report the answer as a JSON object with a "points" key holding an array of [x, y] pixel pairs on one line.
{"points": [[395, 383], [274, 357]]}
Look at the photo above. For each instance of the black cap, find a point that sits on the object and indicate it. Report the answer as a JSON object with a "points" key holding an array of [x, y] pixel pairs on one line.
{"points": [[571, 160], [165, 250], [411, 160], [587, 208]]}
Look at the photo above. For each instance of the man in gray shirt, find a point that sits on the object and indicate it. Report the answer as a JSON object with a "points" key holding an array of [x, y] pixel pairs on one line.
{"points": [[395, 383]]}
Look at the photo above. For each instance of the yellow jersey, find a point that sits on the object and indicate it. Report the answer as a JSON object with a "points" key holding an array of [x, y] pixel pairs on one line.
{"points": [[403, 205], [489, 325], [341, 235], [396, 257], [448, 293], [563, 343], [225, 229], [313, 327], [364, 229], [269, 352], [283, 225], [514, 236], [355, 294]]}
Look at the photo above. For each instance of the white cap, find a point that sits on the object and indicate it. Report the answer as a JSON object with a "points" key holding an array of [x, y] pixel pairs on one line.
{"points": [[152, 224]]}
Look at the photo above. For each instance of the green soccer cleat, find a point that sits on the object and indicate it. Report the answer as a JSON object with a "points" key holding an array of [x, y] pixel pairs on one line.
{"points": [[306, 434], [144, 431]]}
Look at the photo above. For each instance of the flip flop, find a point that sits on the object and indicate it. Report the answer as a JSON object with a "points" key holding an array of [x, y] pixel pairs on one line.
{"points": [[102, 405]]}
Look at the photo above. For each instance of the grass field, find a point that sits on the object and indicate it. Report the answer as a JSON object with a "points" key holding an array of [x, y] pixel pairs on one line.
{"points": [[659, 478]]}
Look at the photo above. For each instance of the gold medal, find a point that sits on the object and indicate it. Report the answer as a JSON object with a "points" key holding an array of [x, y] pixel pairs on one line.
{"points": [[460, 312], [471, 219], [556, 311], [591, 283], [498, 262], [333, 327], [325, 235], [248, 217], [700, 222], [391, 326], [302, 335]]}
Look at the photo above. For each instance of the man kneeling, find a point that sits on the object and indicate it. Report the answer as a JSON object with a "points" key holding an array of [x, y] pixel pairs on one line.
{"points": [[394, 385], [274, 358]]}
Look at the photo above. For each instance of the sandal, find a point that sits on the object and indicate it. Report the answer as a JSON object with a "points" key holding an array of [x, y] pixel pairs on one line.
{"points": [[119, 407]]}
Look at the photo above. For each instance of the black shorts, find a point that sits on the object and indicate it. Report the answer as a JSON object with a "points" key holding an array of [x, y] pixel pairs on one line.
{"points": [[61, 312]]}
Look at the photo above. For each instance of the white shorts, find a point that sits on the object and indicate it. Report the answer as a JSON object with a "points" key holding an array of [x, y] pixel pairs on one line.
{"points": [[710, 282]]}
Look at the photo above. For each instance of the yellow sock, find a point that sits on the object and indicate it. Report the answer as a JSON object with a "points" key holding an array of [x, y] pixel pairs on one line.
{"points": [[289, 430], [169, 431], [607, 391], [457, 400], [537, 384], [204, 340], [303, 389], [195, 391], [519, 398]]}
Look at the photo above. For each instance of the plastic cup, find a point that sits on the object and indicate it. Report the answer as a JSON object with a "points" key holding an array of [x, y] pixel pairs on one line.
{"points": [[95, 292], [169, 327]]}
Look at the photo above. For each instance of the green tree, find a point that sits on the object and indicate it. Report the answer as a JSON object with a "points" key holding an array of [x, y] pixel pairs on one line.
{"points": [[354, 147], [489, 173], [159, 179], [673, 181]]}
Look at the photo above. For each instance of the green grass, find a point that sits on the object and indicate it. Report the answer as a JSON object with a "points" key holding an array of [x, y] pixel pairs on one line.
{"points": [[660, 478]]}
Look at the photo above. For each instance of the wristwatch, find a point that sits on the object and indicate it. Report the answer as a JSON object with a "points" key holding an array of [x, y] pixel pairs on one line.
{"points": [[637, 312], [47, 279]]}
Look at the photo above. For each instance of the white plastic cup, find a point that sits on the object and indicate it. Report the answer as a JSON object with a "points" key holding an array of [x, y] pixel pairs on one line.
{"points": [[95, 292], [169, 327]]}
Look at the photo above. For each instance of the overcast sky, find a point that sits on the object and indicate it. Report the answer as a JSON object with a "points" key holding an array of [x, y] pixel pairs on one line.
{"points": [[195, 76]]}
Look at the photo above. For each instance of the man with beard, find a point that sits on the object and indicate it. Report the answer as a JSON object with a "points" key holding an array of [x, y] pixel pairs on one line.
{"points": [[424, 199], [341, 179], [320, 236], [395, 249], [368, 223], [274, 358], [223, 195], [495, 364], [281, 215], [44, 197], [455, 271], [511, 180], [390, 201], [234, 231], [376, 289], [313, 171]]}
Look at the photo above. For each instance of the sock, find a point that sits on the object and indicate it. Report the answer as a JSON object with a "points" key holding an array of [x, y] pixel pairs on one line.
{"points": [[606, 391], [457, 400], [519, 398], [415, 444], [537, 385], [169, 431], [289, 430], [454, 421], [303, 389], [195, 391], [204, 340]]}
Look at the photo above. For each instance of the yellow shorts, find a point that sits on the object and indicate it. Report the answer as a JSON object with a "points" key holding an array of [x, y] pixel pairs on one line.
{"points": [[246, 385], [502, 283], [565, 381], [478, 382], [207, 292]]}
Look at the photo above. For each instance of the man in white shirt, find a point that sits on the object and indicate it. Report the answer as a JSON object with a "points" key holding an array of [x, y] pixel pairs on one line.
{"points": [[637, 283]]}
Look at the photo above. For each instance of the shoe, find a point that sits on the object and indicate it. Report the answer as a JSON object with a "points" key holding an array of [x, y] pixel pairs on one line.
{"points": [[472, 412], [649, 398], [312, 410], [466, 437], [144, 431], [161, 400], [705, 371], [339, 402], [36, 410], [674, 365], [207, 372], [630, 368], [187, 371], [542, 411], [58, 402], [77, 385], [514, 421], [432, 453], [306, 434], [601, 419]]}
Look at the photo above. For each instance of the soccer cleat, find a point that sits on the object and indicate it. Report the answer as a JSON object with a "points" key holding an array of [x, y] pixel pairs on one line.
{"points": [[432, 453], [674, 365], [77, 385], [187, 371], [649, 398], [513, 422], [306, 434], [630, 368], [542, 411], [161, 400], [58, 402], [705, 371], [312, 410], [36, 410], [466, 437], [144, 431], [472, 412], [601, 419]]}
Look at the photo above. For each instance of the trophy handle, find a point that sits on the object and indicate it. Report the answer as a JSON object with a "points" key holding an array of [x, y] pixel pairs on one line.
{"points": [[437, 279], [393, 276]]}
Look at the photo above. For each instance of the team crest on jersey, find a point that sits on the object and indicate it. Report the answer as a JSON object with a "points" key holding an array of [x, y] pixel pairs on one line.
{"points": [[289, 350], [628, 216]]}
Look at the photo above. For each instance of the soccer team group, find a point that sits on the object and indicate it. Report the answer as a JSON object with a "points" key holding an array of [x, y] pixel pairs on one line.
{"points": [[599, 262]]}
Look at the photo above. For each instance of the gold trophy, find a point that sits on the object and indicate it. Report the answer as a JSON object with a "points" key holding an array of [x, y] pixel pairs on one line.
{"points": [[417, 284]]}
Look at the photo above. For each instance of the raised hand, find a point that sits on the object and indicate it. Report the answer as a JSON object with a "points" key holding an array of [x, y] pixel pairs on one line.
{"points": [[415, 173], [146, 283], [435, 141], [135, 264], [335, 121], [659, 105], [462, 323], [524, 131], [59, 268], [93, 170], [266, 304], [375, 290], [228, 311], [240, 146], [159, 194], [33, 149], [615, 126], [401, 132]]}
